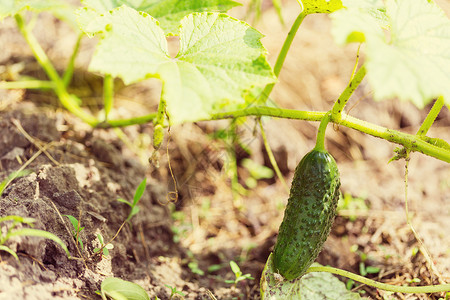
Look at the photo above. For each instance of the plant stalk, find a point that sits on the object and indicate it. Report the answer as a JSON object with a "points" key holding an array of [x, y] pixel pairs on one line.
{"points": [[27, 84], [431, 117], [127, 122], [272, 157], [320, 142], [383, 286], [108, 94], [261, 111], [68, 74], [282, 55], [412, 142], [340, 103], [68, 101]]}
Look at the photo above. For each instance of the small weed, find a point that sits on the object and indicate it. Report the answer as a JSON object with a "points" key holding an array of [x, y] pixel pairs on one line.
{"points": [[352, 205], [105, 248], [350, 284], [174, 292], [137, 196], [214, 268], [238, 274], [76, 230]]}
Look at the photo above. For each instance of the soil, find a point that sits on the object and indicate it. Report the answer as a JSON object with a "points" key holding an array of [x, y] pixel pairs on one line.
{"points": [[186, 242]]}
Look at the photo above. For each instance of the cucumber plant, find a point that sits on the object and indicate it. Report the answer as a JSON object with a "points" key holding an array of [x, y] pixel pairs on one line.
{"points": [[221, 72]]}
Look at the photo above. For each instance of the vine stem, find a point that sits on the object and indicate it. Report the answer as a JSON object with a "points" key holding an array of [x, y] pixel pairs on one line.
{"points": [[108, 94], [320, 142], [68, 74], [67, 100], [272, 157], [429, 120], [27, 84], [383, 286], [127, 122], [340, 103], [412, 142], [282, 55]]}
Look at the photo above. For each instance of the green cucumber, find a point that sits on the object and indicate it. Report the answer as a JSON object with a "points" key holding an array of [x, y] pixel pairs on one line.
{"points": [[309, 214]]}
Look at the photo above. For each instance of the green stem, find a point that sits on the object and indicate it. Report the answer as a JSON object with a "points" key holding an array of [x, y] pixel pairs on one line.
{"points": [[68, 74], [409, 141], [412, 142], [320, 142], [161, 112], [282, 55], [429, 120], [127, 122], [108, 94], [27, 84], [339, 105], [272, 157], [68, 101], [383, 286], [260, 111]]}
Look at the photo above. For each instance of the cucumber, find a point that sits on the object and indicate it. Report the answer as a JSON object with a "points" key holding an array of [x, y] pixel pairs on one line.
{"points": [[309, 214]]}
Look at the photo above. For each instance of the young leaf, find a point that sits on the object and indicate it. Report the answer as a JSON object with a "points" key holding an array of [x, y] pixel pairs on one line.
{"points": [[219, 59], [408, 60], [40, 233], [235, 268], [139, 192], [124, 201], [312, 286], [168, 12], [119, 289], [74, 222], [100, 239]]}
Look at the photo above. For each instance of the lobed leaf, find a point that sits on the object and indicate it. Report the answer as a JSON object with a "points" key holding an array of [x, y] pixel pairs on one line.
{"points": [[219, 59], [408, 46], [168, 12]]}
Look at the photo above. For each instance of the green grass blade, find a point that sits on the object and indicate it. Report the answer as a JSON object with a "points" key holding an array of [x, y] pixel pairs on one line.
{"points": [[40, 233], [17, 219], [4, 248], [139, 192]]}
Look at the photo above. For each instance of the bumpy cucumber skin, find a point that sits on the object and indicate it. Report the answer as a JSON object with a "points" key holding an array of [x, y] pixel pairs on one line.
{"points": [[309, 214]]}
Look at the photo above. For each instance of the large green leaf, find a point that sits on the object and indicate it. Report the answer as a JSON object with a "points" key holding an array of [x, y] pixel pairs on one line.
{"points": [[168, 12], [219, 58], [408, 46], [59, 8], [312, 286]]}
